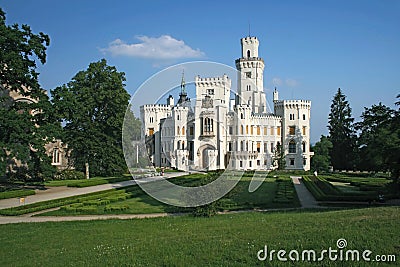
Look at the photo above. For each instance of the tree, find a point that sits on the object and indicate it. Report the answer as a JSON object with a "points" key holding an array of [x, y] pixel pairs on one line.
{"points": [[341, 133], [380, 139], [278, 158], [26, 117], [131, 139], [92, 107], [321, 159]]}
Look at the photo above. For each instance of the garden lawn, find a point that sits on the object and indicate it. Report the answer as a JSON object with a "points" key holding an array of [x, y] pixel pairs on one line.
{"points": [[222, 240], [135, 201]]}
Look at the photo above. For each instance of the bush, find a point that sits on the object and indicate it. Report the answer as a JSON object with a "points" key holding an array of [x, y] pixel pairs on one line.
{"points": [[69, 174], [87, 182], [16, 193]]}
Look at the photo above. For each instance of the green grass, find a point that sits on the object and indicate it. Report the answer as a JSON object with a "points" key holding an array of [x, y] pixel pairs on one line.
{"points": [[17, 193], [88, 182], [138, 202], [222, 240]]}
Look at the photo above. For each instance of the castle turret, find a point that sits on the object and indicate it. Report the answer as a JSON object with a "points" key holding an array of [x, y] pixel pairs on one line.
{"points": [[250, 80]]}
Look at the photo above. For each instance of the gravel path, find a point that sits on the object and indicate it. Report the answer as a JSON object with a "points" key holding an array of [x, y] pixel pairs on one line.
{"points": [[307, 200]]}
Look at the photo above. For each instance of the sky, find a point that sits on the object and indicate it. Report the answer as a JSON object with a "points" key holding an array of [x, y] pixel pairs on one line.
{"points": [[310, 48]]}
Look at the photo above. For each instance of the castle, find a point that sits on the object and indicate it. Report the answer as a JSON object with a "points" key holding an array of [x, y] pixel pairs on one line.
{"points": [[220, 133]]}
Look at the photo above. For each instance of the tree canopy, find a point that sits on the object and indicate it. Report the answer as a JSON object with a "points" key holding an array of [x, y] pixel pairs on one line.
{"points": [[341, 133], [26, 117], [92, 108], [321, 159]]}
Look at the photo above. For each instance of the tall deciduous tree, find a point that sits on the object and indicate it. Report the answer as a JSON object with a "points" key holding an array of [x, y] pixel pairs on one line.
{"points": [[341, 133], [321, 159], [26, 120], [92, 107], [380, 139]]}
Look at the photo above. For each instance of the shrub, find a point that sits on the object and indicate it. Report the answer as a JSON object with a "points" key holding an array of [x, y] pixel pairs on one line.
{"points": [[16, 193], [69, 174]]}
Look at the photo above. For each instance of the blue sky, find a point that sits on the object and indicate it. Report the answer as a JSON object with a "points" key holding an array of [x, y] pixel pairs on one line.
{"points": [[310, 48]]}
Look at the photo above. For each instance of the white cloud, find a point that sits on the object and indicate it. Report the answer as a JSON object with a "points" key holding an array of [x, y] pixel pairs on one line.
{"points": [[291, 82], [164, 47], [276, 81]]}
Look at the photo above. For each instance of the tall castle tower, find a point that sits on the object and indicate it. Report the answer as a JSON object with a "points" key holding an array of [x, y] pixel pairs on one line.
{"points": [[250, 80]]}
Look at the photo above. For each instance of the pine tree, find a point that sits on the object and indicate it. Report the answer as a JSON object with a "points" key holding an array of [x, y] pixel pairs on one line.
{"points": [[341, 133]]}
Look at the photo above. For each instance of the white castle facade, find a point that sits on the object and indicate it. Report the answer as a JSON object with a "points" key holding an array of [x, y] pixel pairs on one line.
{"points": [[219, 132]]}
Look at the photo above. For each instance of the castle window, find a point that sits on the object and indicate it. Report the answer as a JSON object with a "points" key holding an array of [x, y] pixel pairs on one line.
{"points": [[248, 87], [304, 117], [292, 146], [248, 74], [208, 125], [265, 147], [258, 130], [241, 129], [177, 117], [56, 156], [179, 145], [272, 130], [210, 91], [230, 146], [183, 145], [304, 147], [151, 131], [177, 130], [265, 131], [291, 162], [230, 130], [242, 146], [304, 161], [248, 53], [292, 130], [272, 147], [241, 164], [251, 129], [291, 117], [247, 129], [241, 116], [278, 130], [304, 130], [249, 102], [258, 162], [250, 163], [258, 147], [191, 130], [183, 130]]}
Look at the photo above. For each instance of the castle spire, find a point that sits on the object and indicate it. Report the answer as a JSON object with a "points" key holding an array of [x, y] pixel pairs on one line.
{"points": [[183, 85]]}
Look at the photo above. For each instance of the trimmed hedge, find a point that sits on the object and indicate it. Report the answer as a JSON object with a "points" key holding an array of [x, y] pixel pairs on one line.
{"points": [[29, 208], [17, 193], [322, 194], [285, 191]]}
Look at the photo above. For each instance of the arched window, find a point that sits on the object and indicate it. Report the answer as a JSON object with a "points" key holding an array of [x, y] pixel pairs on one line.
{"points": [[241, 129], [248, 87], [183, 130], [178, 145], [248, 53], [183, 145], [242, 146], [304, 147], [177, 130], [292, 146], [241, 116]]}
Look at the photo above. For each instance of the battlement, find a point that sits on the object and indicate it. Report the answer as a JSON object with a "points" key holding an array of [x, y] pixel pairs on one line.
{"points": [[292, 104], [213, 81], [249, 40]]}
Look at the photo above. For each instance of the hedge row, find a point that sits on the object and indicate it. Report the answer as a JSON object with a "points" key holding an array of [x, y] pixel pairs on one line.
{"points": [[285, 191], [320, 195], [17, 193], [29, 208]]}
